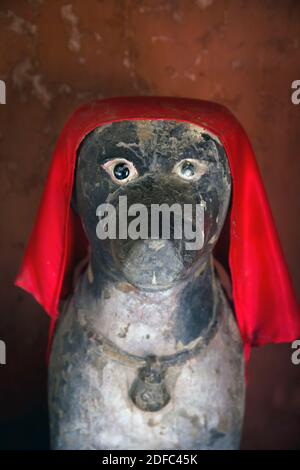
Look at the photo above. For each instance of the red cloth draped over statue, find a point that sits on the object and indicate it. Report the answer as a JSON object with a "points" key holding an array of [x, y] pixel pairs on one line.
{"points": [[264, 302]]}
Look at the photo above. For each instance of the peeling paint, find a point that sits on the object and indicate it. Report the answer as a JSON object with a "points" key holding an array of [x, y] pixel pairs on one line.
{"points": [[98, 37], [23, 75], [20, 25], [204, 3], [190, 76], [69, 16], [126, 61]]}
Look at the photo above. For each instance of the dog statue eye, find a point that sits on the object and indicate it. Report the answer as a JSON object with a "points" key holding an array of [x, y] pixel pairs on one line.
{"points": [[187, 170], [190, 169], [120, 170]]}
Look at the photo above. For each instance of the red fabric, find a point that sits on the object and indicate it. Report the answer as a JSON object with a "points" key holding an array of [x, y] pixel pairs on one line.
{"points": [[264, 302]]}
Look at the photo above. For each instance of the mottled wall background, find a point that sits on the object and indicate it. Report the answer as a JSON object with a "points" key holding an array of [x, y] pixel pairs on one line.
{"points": [[57, 54]]}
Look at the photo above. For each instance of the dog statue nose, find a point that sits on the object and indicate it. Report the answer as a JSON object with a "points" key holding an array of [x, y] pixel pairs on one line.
{"points": [[151, 264]]}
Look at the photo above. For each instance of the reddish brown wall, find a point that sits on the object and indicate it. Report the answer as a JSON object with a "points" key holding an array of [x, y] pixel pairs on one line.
{"points": [[56, 54]]}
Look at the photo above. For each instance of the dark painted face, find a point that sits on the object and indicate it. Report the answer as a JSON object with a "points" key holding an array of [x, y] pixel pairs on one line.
{"points": [[152, 162]]}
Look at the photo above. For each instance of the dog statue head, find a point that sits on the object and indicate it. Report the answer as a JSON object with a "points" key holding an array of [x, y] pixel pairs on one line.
{"points": [[129, 173]]}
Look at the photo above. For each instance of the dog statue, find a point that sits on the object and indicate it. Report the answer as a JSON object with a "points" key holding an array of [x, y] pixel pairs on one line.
{"points": [[147, 353]]}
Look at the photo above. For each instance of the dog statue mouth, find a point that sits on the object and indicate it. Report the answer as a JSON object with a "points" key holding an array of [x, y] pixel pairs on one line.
{"points": [[151, 287]]}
